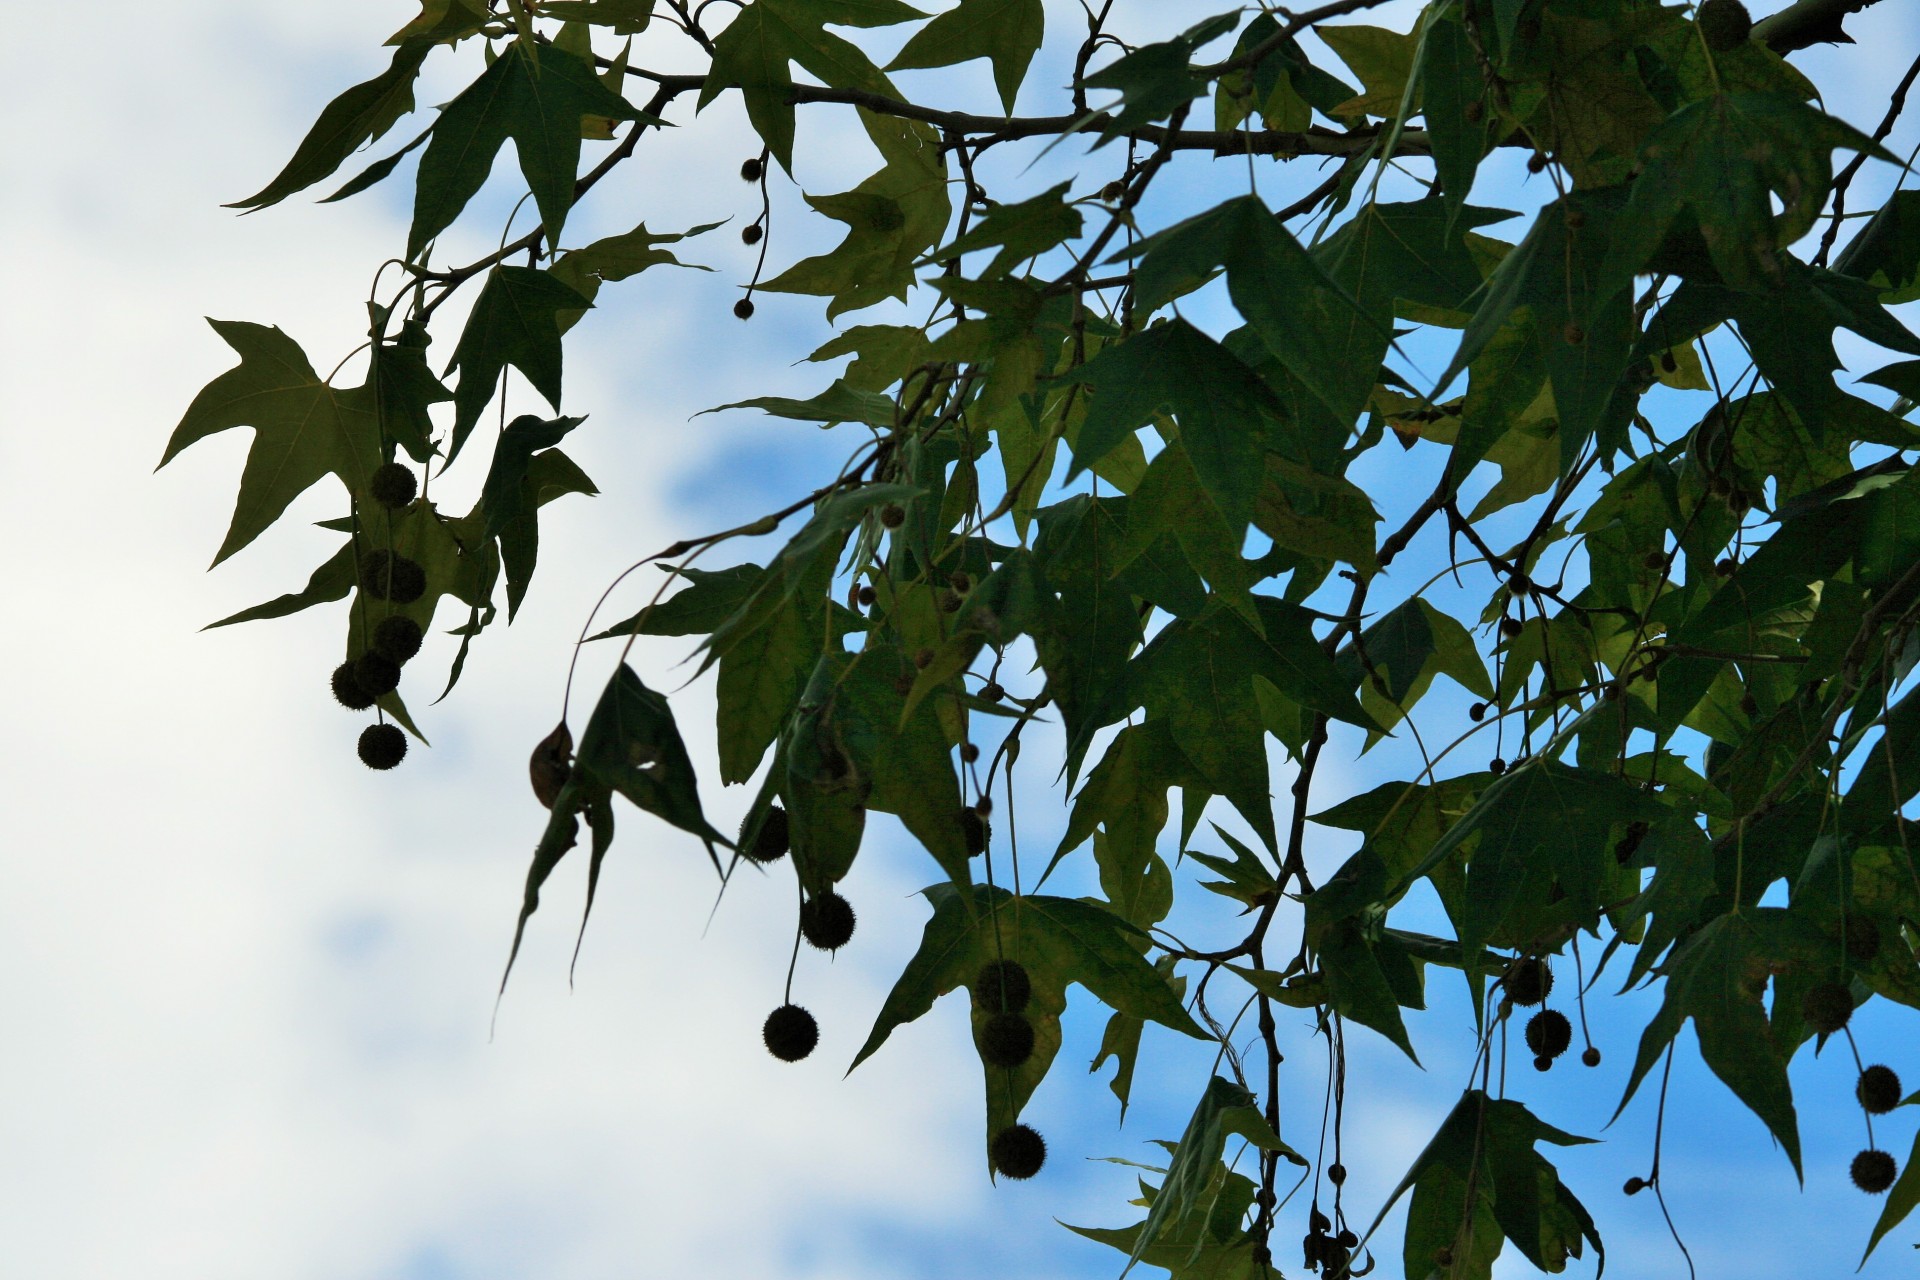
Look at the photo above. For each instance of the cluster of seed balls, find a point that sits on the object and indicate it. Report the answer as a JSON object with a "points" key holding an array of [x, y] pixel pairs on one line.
{"points": [[1528, 982], [791, 1033], [1828, 1008], [384, 575]]}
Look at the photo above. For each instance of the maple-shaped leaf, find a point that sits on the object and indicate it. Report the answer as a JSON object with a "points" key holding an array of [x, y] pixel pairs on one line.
{"points": [[1717, 978], [534, 94], [754, 55], [1209, 1244], [1008, 32], [1225, 411], [405, 385], [304, 428], [618, 257], [1481, 1178], [358, 116], [1726, 160], [515, 321], [1059, 941]]}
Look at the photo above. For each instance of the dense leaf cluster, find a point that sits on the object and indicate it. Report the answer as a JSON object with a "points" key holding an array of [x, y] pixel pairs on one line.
{"points": [[1689, 631]]}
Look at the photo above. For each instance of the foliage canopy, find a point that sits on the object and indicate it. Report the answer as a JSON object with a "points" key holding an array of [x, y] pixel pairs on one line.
{"points": [[1125, 480]]}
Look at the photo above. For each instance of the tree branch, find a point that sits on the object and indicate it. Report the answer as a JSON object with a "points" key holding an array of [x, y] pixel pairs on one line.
{"points": [[1808, 22]]}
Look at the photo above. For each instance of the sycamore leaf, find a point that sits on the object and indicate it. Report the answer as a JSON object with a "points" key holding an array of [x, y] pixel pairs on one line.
{"points": [[1008, 32], [1060, 941], [754, 52], [1480, 1178], [1716, 977], [632, 745], [406, 387], [534, 94], [510, 498], [612, 258], [361, 115], [1725, 160], [304, 428], [622, 17], [331, 581], [514, 322], [1901, 1199], [1022, 230], [1156, 80], [1886, 252], [710, 598]]}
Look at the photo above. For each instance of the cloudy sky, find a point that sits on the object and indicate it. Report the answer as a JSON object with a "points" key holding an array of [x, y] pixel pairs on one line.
{"points": [[248, 983]]}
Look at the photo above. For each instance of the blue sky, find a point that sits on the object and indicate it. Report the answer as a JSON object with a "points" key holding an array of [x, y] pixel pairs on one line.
{"points": [[249, 983]]}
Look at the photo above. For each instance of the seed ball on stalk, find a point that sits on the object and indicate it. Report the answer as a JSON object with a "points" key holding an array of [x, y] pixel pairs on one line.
{"points": [[347, 691], [1873, 1171], [1511, 627], [392, 485], [1724, 24], [1496, 766], [1006, 1040], [1591, 1057], [773, 840], [1529, 981], [397, 637], [382, 746], [969, 752], [1477, 712], [790, 1033], [743, 309], [1827, 1007], [1878, 1090], [1337, 1174], [751, 234], [973, 829], [376, 673], [752, 170], [1549, 1033], [826, 921], [1003, 985], [1018, 1151], [1634, 1186], [893, 515]]}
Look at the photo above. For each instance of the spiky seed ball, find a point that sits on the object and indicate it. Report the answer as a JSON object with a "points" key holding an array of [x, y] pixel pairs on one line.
{"points": [[386, 576], [1827, 1007], [1477, 712], [1510, 627], [983, 806], [1006, 1040], [1724, 24], [1878, 1090], [382, 746], [973, 828], [826, 921], [771, 842], [409, 581], [790, 1033], [893, 515], [1873, 1171], [1003, 985], [1591, 1057], [347, 691], [992, 692], [392, 485], [1018, 1151], [397, 637], [1529, 981], [1536, 162], [867, 596], [743, 309], [1634, 1186], [1549, 1033], [751, 234], [752, 170], [1496, 766], [969, 752], [376, 673], [1337, 1174], [1542, 1063]]}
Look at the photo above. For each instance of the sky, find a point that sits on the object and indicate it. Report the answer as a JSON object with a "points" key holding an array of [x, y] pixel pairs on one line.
{"points": [[250, 985]]}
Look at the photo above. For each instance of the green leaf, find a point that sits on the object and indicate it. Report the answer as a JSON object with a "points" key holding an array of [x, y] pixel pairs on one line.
{"points": [[613, 258], [712, 596], [838, 403], [331, 581], [1901, 1199], [1060, 941], [304, 428], [1886, 252], [632, 746], [406, 388], [1717, 977], [1156, 80], [754, 52], [361, 115], [534, 94], [1725, 160], [1008, 32], [1223, 409], [1305, 319], [1540, 824], [1480, 1178], [622, 17], [514, 322], [1224, 1109], [510, 498], [1021, 230]]}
